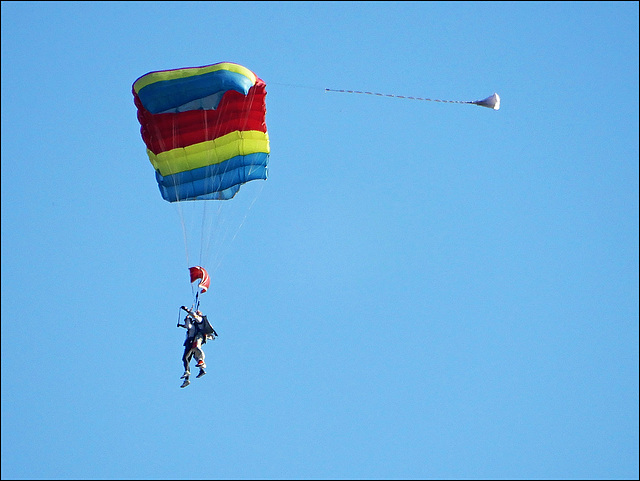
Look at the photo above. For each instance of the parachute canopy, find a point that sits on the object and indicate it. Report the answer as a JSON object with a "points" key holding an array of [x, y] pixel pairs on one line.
{"points": [[204, 128], [199, 273]]}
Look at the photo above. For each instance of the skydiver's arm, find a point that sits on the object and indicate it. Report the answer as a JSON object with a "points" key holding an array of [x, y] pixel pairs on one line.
{"points": [[186, 318], [191, 313], [195, 317]]}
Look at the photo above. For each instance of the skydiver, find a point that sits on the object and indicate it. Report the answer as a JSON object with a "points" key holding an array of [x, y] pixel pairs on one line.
{"points": [[198, 331]]}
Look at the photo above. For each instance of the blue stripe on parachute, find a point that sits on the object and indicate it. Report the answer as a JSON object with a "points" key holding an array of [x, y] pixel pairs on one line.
{"points": [[170, 94], [214, 182]]}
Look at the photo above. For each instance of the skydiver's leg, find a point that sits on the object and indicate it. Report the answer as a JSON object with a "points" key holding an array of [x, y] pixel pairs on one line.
{"points": [[198, 352], [186, 359]]}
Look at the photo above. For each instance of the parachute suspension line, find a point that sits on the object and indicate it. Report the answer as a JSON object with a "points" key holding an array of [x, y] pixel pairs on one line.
{"points": [[178, 203], [227, 230], [204, 239], [210, 216], [184, 233], [237, 229], [203, 220], [397, 96]]}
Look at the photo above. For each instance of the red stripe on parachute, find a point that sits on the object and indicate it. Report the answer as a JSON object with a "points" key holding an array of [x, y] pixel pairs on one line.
{"points": [[198, 272], [162, 132]]}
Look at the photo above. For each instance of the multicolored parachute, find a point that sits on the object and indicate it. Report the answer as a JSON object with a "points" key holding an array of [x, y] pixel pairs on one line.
{"points": [[204, 128], [206, 136]]}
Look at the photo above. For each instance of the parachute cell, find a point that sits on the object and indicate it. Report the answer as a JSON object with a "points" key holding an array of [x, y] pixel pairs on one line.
{"points": [[204, 128]]}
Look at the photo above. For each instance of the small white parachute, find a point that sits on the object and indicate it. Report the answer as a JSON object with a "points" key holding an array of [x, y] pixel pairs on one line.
{"points": [[492, 102]]}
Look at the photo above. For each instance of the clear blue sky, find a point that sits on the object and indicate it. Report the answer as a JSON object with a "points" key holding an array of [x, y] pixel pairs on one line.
{"points": [[420, 290]]}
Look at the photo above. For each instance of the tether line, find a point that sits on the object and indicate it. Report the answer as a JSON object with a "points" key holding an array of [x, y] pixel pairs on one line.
{"points": [[397, 96]]}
